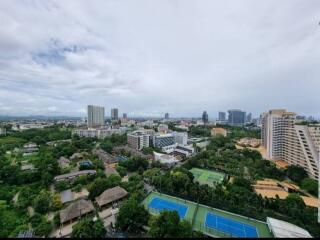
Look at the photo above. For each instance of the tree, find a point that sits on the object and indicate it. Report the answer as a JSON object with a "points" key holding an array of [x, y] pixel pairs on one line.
{"points": [[87, 228], [121, 170], [132, 216], [168, 225], [311, 185], [296, 173], [42, 202], [101, 184]]}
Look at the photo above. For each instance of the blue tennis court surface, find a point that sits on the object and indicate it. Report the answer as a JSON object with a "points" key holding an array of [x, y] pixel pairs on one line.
{"points": [[161, 204], [231, 227]]}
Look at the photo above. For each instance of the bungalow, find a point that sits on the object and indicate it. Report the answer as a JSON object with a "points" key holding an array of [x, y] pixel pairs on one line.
{"points": [[76, 210], [110, 196], [71, 176]]}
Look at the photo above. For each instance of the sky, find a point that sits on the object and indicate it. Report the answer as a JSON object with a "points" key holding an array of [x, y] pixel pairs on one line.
{"points": [[151, 57]]}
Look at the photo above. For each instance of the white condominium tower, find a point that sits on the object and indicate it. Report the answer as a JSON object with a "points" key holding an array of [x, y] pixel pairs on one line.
{"points": [[95, 116], [285, 138]]}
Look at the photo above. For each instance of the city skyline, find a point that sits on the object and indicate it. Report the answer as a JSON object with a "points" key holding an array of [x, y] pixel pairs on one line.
{"points": [[186, 57]]}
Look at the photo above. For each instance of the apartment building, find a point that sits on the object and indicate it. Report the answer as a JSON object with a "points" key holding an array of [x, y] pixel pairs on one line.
{"points": [[139, 139], [114, 114], [285, 139], [95, 116]]}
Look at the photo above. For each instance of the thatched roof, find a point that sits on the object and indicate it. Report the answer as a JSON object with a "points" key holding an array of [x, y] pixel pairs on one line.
{"points": [[110, 195], [75, 210], [74, 174]]}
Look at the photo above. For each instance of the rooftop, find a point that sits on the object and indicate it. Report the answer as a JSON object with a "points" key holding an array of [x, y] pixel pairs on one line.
{"points": [[75, 210], [282, 229], [111, 195]]}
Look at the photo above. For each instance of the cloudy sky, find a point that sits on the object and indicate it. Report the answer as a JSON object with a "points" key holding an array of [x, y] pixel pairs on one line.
{"points": [[151, 57]]}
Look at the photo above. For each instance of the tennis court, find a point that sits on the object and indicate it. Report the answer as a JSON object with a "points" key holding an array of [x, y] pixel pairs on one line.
{"points": [[160, 204], [209, 177], [203, 218], [229, 226]]}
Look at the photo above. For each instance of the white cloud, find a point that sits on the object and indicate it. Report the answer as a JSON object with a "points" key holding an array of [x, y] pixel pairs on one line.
{"points": [[145, 57]]}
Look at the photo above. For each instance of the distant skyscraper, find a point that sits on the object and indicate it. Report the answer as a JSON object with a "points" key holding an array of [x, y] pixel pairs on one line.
{"points": [[249, 118], [124, 116], [205, 117], [166, 116], [236, 117], [114, 114], [95, 116], [285, 139], [222, 116]]}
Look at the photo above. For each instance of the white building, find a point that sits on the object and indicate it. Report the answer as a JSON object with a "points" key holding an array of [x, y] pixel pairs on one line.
{"points": [[163, 128], [282, 229], [180, 138], [100, 133], [139, 139], [284, 139], [165, 159], [95, 116]]}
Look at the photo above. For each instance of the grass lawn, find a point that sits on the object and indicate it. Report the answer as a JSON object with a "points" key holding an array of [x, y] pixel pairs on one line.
{"points": [[11, 140]]}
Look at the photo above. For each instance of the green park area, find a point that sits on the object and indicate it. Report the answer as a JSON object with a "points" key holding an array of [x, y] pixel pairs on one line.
{"points": [[209, 177]]}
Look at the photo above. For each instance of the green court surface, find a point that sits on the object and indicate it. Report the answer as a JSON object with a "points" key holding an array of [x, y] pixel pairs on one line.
{"points": [[209, 177], [196, 215]]}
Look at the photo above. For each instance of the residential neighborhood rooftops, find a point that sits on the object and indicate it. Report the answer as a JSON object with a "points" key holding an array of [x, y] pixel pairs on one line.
{"points": [[73, 175], [75, 210], [111, 195]]}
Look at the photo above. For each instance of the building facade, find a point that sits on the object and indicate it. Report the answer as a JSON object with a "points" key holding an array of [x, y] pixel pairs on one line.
{"points": [[236, 117], [285, 139], [95, 116], [180, 138], [138, 139], [163, 140], [166, 116], [114, 114], [205, 117], [222, 116]]}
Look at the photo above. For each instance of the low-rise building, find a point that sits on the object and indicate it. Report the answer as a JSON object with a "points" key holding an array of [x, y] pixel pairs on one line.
{"points": [[111, 195], [138, 139], [30, 148], [218, 131], [73, 175], [163, 140], [76, 210], [180, 138], [249, 142], [99, 133], [165, 159], [282, 229]]}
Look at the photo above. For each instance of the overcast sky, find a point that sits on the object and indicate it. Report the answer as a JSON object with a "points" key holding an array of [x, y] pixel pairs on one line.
{"points": [[150, 57]]}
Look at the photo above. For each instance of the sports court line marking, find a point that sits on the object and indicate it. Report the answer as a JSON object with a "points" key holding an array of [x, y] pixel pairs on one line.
{"points": [[229, 226], [160, 204]]}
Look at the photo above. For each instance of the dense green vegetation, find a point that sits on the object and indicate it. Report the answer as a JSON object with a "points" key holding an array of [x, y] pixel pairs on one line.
{"points": [[22, 190], [87, 228], [132, 216], [168, 225], [237, 197]]}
